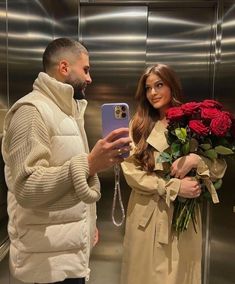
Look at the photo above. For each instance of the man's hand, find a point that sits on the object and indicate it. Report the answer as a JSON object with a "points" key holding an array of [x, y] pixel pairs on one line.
{"points": [[96, 239], [106, 152]]}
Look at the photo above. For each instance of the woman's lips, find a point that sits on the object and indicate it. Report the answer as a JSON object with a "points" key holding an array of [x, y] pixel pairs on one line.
{"points": [[156, 100]]}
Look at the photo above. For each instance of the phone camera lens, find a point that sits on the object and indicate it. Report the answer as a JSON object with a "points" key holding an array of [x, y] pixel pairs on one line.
{"points": [[123, 108], [118, 111], [123, 115]]}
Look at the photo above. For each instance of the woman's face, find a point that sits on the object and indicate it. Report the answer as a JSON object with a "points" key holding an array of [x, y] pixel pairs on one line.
{"points": [[157, 92]]}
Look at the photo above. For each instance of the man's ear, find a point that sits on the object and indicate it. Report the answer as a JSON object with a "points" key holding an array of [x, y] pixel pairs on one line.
{"points": [[63, 67]]}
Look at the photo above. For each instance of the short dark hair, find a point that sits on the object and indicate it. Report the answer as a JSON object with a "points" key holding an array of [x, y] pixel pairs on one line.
{"points": [[59, 48]]}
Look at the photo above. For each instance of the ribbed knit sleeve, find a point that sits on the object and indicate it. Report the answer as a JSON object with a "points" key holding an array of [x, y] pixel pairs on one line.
{"points": [[36, 184]]}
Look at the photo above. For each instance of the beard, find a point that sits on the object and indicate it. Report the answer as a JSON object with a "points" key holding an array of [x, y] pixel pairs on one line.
{"points": [[78, 85], [79, 94]]}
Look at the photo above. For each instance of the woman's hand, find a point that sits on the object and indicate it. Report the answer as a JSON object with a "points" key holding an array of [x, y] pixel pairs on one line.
{"points": [[182, 166], [189, 188]]}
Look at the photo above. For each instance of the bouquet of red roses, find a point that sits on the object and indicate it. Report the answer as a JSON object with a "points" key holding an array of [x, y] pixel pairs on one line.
{"points": [[203, 128]]}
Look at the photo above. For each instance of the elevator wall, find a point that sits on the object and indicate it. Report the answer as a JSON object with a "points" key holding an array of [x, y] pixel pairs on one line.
{"points": [[197, 38]]}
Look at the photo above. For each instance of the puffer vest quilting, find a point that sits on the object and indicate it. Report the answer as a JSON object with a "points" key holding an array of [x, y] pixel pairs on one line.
{"points": [[52, 245]]}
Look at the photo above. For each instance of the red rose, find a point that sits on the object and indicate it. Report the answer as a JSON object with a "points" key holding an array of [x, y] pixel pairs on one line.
{"points": [[198, 127], [220, 125], [190, 108], [174, 113], [211, 103], [229, 114], [210, 113]]}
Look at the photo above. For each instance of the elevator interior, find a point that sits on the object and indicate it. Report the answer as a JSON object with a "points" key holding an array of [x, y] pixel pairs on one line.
{"points": [[197, 38]]}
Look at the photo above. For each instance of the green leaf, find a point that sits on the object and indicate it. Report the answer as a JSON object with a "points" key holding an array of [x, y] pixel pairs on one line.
{"points": [[205, 146], [175, 150], [175, 147], [193, 145], [176, 155], [181, 134], [223, 150], [211, 153], [164, 157], [218, 184], [223, 141], [185, 148]]}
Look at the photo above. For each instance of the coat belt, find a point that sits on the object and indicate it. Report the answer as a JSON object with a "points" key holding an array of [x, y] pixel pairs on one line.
{"points": [[163, 218]]}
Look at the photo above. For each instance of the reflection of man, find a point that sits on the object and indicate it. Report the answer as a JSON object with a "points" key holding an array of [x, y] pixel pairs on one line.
{"points": [[50, 175]]}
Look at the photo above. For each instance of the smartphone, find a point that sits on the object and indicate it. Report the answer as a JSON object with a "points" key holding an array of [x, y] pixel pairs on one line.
{"points": [[114, 115]]}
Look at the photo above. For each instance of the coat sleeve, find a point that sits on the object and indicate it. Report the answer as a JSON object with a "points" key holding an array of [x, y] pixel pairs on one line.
{"points": [[209, 171], [214, 169], [149, 183], [35, 182]]}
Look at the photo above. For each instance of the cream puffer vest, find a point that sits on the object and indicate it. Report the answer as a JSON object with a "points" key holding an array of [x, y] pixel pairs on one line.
{"points": [[51, 246]]}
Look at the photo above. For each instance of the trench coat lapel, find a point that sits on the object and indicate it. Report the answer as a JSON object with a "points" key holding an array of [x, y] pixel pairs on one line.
{"points": [[157, 137]]}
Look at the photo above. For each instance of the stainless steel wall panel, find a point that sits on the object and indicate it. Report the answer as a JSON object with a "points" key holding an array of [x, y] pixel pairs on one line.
{"points": [[31, 26], [4, 243], [116, 39], [222, 226], [122, 37], [224, 86], [3, 55], [182, 38], [201, 3]]}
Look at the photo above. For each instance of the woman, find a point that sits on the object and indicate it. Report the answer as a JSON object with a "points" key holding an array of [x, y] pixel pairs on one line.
{"points": [[153, 254]]}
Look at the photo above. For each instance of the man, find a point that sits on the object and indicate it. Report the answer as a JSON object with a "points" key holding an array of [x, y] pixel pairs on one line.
{"points": [[51, 176]]}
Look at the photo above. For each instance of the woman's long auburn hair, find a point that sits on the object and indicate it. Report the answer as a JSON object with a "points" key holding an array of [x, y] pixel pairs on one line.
{"points": [[146, 115]]}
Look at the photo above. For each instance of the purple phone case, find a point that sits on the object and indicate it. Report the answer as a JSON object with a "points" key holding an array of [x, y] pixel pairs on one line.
{"points": [[110, 122]]}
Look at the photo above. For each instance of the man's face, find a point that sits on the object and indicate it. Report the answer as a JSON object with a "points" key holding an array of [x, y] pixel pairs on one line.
{"points": [[78, 76]]}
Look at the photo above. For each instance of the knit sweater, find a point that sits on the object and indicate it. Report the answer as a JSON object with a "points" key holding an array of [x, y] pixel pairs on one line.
{"points": [[51, 225]]}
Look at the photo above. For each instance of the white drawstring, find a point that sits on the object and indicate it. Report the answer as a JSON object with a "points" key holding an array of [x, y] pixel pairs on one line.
{"points": [[117, 191]]}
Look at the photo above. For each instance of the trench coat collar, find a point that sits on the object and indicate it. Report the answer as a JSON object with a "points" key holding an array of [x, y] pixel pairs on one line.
{"points": [[157, 137]]}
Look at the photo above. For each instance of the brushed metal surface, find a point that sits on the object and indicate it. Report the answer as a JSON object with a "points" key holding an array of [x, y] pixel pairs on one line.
{"points": [[4, 241], [182, 38], [3, 55], [201, 3], [31, 26], [26, 27], [116, 39], [123, 37], [222, 226]]}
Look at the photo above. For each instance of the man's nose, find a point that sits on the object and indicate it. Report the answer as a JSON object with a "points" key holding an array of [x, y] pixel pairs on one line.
{"points": [[88, 79]]}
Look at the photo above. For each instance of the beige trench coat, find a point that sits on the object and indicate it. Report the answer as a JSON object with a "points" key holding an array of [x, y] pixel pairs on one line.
{"points": [[152, 252]]}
